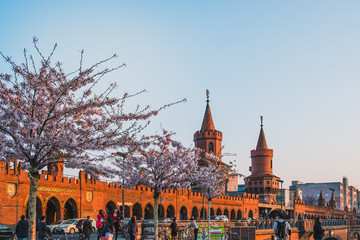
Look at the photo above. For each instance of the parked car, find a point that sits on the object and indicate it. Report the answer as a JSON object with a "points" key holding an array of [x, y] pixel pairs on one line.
{"points": [[6, 232], [223, 218], [54, 225], [165, 220], [70, 225]]}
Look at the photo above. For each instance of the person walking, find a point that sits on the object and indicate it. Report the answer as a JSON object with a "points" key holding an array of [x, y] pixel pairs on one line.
{"points": [[282, 228], [87, 228], [116, 217], [100, 218], [194, 225], [174, 228], [108, 229], [319, 231], [42, 227], [21, 229], [132, 228]]}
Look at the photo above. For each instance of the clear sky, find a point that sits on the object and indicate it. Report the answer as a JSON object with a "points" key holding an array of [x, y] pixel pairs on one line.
{"points": [[294, 62]]}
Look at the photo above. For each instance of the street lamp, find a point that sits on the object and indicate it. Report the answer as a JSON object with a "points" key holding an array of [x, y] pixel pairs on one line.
{"points": [[123, 155], [281, 182]]}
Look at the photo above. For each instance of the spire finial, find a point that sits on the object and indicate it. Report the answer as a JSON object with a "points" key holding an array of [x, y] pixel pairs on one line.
{"points": [[207, 95], [261, 120]]}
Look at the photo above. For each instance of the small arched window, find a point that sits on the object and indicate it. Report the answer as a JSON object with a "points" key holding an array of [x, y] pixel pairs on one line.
{"points": [[211, 147]]}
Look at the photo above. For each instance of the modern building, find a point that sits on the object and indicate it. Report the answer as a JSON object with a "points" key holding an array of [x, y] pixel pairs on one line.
{"points": [[346, 196]]}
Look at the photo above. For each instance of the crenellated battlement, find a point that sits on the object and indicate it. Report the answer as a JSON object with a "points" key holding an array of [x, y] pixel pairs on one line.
{"points": [[262, 152], [208, 134]]}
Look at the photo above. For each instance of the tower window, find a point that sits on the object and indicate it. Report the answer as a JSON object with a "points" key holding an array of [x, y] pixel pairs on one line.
{"points": [[211, 147]]}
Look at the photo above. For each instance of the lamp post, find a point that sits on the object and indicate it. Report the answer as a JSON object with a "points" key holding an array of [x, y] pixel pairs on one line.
{"points": [[281, 184], [123, 155], [333, 207]]}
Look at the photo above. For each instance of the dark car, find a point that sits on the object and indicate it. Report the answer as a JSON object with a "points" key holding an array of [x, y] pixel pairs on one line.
{"points": [[6, 232]]}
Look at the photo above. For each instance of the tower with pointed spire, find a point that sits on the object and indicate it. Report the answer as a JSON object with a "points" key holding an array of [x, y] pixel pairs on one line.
{"points": [[208, 138], [262, 181], [321, 200], [332, 202]]}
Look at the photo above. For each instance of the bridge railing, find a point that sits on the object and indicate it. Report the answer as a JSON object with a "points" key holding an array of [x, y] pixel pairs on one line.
{"points": [[300, 224]]}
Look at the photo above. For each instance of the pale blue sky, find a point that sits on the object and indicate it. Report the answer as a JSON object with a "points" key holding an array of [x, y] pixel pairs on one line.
{"points": [[294, 62]]}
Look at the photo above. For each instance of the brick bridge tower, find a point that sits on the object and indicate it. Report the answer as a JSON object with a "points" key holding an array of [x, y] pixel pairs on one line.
{"points": [[208, 138], [262, 181], [321, 200]]}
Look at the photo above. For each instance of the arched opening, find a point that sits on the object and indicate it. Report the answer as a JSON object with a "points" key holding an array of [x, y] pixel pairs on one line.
{"points": [[127, 211], [232, 215], [52, 210], [149, 211], [239, 215], [38, 209], [211, 147], [226, 212], [218, 212], [70, 210], [137, 211], [202, 215], [212, 212], [195, 212], [251, 215], [183, 213], [161, 211], [110, 207], [170, 212]]}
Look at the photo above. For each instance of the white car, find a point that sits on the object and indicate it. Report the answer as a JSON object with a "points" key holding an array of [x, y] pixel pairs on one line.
{"points": [[54, 225], [70, 225], [223, 218]]}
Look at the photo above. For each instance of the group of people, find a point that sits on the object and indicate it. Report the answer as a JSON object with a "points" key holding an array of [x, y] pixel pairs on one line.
{"points": [[22, 228], [109, 225], [283, 232]]}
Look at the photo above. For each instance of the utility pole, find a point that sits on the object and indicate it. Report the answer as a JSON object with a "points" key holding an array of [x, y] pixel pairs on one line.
{"points": [[282, 198]]}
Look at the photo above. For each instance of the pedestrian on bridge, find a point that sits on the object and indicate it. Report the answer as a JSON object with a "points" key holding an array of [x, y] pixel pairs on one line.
{"points": [[282, 228], [319, 231]]}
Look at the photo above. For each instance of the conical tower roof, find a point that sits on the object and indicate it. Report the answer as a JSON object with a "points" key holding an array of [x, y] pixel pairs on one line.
{"points": [[208, 123], [261, 144], [321, 197]]}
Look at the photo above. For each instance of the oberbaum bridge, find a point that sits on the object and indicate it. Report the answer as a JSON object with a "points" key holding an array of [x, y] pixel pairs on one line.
{"points": [[62, 197]]}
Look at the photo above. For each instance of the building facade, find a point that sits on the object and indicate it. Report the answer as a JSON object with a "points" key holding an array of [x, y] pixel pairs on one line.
{"points": [[62, 197]]}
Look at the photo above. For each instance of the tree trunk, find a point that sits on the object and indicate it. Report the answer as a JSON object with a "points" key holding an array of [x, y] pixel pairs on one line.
{"points": [[209, 213], [156, 215], [32, 207]]}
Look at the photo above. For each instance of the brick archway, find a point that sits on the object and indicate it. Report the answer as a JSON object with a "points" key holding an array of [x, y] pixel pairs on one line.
{"points": [[137, 211], [149, 211], [218, 212], [161, 211], [195, 212], [226, 213], [110, 207], [183, 213], [239, 214], [127, 211], [232, 214], [52, 210], [212, 212], [170, 212], [70, 209]]}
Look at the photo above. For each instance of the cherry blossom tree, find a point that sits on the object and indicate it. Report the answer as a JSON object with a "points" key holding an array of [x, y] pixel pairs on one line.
{"points": [[211, 179], [47, 116], [161, 164]]}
